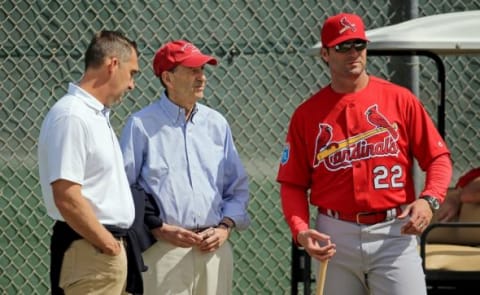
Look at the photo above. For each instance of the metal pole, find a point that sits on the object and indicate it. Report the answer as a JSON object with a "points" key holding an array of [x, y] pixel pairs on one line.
{"points": [[406, 68]]}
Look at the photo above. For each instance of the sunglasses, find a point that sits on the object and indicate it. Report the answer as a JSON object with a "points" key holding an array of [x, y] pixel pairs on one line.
{"points": [[359, 45]]}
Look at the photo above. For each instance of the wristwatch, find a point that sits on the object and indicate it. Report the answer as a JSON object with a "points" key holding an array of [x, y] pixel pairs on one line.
{"points": [[432, 202], [227, 223]]}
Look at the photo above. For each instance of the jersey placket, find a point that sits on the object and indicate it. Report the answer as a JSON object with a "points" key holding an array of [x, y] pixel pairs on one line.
{"points": [[353, 117]]}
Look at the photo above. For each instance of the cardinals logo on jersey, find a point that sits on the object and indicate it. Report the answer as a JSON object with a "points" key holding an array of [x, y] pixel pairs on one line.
{"points": [[341, 154], [378, 120], [324, 137]]}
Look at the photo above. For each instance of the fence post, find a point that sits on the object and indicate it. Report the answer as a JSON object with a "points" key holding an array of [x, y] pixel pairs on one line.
{"points": [[301, 270]]}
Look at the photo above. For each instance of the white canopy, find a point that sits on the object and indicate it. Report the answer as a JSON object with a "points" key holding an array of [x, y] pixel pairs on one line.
{"points": [[453, 33]]}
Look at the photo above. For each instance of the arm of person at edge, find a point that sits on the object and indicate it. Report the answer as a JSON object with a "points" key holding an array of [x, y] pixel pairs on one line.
{"points": [[470, 193], [438, 175], [450, 207], [295, 209], [467, 190], [79, 215]]}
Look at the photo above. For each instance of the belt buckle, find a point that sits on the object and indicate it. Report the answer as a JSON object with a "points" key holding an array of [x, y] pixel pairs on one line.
{"points": [[391, 214], [360, 214]]}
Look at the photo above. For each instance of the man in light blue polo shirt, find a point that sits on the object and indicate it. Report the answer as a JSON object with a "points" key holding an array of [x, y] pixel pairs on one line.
{"points": [[83, 180], [182, 153]]}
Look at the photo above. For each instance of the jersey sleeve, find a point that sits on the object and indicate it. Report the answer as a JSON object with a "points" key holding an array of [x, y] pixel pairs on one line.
{"points": [[295, 208], [427, 143], [294, 164]]}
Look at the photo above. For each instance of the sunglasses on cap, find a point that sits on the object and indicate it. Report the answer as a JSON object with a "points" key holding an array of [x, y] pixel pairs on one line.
{"points": [[343, 47]]}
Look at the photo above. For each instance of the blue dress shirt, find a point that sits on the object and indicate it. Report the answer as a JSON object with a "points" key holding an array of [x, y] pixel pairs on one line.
{"points": [[192, 168]]}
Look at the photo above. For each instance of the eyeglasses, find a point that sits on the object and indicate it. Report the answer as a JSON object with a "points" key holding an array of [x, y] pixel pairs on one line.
{"points": [[359, 45]]}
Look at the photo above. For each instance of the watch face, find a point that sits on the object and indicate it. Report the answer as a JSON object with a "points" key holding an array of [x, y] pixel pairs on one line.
{"points": [[433, 202]]}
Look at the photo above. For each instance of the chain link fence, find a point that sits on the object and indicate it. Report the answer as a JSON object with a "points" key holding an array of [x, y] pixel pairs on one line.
{"points": [[264, 73]]}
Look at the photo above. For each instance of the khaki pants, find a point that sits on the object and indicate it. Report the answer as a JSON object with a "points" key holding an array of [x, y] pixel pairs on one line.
{"points": [[85, 270], [187, 271]]}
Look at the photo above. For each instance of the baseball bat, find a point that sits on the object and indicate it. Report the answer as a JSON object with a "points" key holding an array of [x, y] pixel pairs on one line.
{"points": [[322, 273]]}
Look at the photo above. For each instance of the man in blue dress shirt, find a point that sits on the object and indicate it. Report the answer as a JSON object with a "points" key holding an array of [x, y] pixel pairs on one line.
{"points": [[182, 153]]}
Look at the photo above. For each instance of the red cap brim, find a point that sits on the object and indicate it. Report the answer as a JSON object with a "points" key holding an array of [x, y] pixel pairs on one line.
{"points": [[198, 60]]}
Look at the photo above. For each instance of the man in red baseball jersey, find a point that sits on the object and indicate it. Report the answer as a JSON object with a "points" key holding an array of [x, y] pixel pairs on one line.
{"points": [[349, 151]]}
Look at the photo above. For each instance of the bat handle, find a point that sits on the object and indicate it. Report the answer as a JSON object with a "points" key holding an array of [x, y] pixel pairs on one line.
{"points": [[322, 273]]}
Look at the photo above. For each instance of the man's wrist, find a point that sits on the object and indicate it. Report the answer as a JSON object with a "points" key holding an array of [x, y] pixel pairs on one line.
{"points": [[432, 202], [226, 223]]}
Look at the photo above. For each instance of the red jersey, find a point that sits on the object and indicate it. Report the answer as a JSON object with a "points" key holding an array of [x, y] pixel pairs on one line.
{"points": [[354, 151]]}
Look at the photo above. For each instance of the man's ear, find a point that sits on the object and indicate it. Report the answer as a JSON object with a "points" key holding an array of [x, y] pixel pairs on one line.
{"points": [[112, 62], [166, 78], [324, 54]]}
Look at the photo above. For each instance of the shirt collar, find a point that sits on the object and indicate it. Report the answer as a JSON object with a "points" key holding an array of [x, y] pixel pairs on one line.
{"points": [[87, 98], [173, 111]]}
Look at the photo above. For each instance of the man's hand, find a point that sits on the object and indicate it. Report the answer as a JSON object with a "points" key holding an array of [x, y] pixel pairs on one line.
{"points": [[213, 238], [178, 236], [316, 244], [112, 248], [420, 217]]}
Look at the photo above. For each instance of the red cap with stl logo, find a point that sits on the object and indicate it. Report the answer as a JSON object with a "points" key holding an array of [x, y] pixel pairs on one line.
{"points": [[342, 27], [179, 52]]}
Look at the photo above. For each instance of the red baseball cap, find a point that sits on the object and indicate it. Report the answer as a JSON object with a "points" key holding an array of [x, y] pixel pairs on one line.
{"points": [[342, 27], [179, 52]]}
